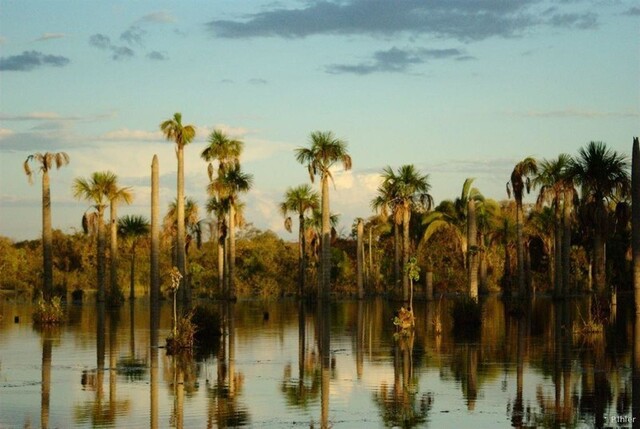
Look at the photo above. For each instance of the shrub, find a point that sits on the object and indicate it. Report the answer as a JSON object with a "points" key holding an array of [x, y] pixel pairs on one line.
{"points": [[48, 313]]}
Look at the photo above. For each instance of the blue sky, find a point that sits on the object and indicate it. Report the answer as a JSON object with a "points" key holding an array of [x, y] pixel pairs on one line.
{"points": [[460, 88]]}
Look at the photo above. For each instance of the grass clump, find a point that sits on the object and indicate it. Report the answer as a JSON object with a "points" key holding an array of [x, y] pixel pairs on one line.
{"points": [[48, 312], [182, 337]]}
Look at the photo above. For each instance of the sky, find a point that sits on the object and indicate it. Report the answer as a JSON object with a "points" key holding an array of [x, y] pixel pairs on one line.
{"points": [[459, 88]]}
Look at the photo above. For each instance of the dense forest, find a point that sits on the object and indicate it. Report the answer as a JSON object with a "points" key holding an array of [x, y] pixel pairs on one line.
{"points": [[575, 238]]}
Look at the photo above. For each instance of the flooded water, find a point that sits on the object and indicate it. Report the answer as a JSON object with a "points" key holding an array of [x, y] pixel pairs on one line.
{"points": [[283, 364]]}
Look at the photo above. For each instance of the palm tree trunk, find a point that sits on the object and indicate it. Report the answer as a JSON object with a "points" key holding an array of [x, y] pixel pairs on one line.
{"points": [[360, 258], [482, 270], [566, 243], [599, 277], [101, 255], [155, 233], [181, 259], [47, 241], [132, 273], [220, 247], [113, 269], [520, 248], [232, 252], [406, 217], [396, 256], [557, 254], [325, 283], [635, 220], [472, 250], [301, 260]]}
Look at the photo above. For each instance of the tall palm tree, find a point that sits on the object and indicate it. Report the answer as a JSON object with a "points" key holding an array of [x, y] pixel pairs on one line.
{"points": [[219, 207], [603, 177], [182, 135], [132, 228], [230, 184], [116, 195], [411, 192], [521, 181], [324, 151], [553, 181], [45, 162], [95, 190], [299, 200]]}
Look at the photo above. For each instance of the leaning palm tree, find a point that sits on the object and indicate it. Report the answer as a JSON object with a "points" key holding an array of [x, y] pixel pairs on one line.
{"points": [[230, 184], [45, 162], [182, 135], [553, 182], [411, 193], [603, 176], [116, 195], [521, 181], [324, 151], [95, 190], [132, 228], [299, 200]]}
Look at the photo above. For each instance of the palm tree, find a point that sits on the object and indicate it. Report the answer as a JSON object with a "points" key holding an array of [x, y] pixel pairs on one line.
{"points": [[230, 184], [410, 190], [453, 216], [182, 135], [115, 196], [324, 151], [45, 162], [553, 182], [299, 200], [521, 181], [603, 176], [132, 227], [95, 190], [223, 148]]}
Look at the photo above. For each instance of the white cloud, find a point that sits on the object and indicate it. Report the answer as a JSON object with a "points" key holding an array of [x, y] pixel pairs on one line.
{"points": [[5, 132], [161, 17], [50, 36], [126, 134]]}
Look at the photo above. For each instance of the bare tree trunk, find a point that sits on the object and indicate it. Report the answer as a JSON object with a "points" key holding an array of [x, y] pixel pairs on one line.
{"points": [[520, 248], [302, 266], [396, 256], [635, 221], [325, 283], [180, 241], [113, 251], [557, 255], [472, 250], [360, 259], [406, 218], [566, 242], [155, 233], [232, 252], [220, 251], [47, 239], [101, 255], [484, 287]]}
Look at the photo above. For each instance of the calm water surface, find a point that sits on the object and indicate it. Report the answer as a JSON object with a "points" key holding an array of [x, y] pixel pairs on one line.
{"points": [[281, 364]]}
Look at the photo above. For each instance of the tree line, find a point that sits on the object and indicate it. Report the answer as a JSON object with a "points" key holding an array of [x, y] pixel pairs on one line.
{"points": [[575, 238]]}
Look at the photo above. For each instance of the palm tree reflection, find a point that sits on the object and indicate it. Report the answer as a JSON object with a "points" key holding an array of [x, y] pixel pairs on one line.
{"points": [[401, 405]]}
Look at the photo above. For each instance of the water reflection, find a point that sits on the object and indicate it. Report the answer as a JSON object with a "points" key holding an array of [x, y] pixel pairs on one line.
{"points": [[328, 364]]}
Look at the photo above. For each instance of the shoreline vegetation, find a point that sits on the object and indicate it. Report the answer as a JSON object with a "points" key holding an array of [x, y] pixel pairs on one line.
{"points": [[575, 239]]}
